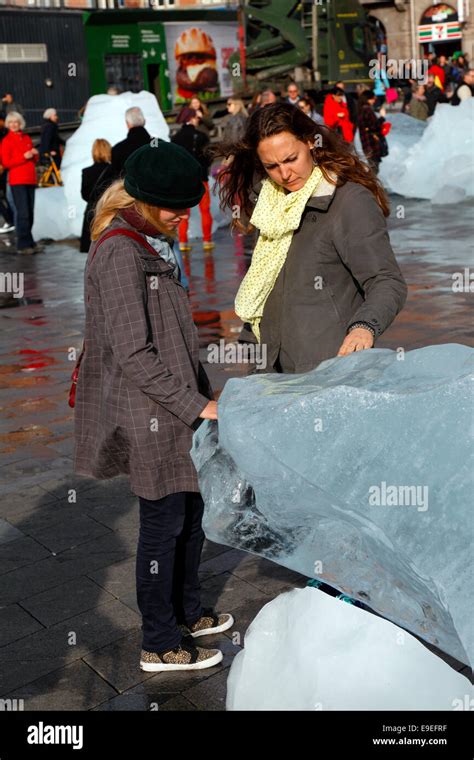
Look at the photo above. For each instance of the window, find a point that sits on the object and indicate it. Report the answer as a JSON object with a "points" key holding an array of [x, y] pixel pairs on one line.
{"points": [[18, 53]]}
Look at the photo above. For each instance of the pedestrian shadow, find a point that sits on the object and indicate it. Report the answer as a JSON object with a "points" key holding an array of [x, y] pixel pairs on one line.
{"points": [[74, 627]]}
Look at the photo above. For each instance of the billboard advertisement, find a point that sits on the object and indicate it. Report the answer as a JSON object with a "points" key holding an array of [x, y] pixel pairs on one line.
{"points": [[198, 53]]}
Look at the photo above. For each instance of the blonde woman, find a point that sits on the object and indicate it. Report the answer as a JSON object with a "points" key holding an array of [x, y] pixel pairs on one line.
{"points": [[141, 392], [95, 179], [234, 128]]}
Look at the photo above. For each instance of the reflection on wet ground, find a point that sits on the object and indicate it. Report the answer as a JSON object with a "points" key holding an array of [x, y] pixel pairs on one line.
{"points": [[432, 244]]}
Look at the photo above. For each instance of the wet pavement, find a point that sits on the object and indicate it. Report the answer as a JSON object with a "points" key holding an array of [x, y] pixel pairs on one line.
{"points": [[69, 626]]}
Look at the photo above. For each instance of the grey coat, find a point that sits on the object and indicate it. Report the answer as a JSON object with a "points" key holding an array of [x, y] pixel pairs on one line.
{"points": [[340, 269], [141, 387]]}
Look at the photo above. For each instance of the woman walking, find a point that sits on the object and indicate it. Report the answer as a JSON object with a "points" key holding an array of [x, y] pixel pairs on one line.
{"points": [[234, 126], [51, 140], [95, 179], [141, 392], [19, 157], [323, 279], [373, 141]]}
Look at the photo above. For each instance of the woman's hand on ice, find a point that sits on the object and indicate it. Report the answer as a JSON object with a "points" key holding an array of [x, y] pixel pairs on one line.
{"points": [[357, 340], [210, 411]]}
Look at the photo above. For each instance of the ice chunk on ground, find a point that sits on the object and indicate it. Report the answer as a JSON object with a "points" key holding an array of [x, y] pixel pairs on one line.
{"points": [[427, 160], [357, 473], [308, 651], [59, 211], [104, 117]]}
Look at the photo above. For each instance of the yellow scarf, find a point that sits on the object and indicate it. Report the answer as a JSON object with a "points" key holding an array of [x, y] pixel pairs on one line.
{"points": [[277, 215]]}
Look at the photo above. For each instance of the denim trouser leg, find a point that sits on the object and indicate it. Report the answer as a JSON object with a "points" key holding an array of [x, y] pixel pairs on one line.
{"points": [[168, 556], [24, 197]]}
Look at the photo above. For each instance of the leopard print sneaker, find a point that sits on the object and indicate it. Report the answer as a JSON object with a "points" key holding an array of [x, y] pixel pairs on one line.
{"points": [[209, 623], [186, 656]]}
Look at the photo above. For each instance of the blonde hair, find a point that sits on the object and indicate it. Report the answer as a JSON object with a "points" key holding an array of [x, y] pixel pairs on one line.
{"points": [[240, 106], [116, 198], [102, 151]]}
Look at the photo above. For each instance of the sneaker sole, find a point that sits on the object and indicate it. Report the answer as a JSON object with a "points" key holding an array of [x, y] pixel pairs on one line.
{"points": [[159, 667], [216, 629]]}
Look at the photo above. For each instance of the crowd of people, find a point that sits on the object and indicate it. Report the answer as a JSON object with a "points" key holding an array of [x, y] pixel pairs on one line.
{"points": [[363, 110]]}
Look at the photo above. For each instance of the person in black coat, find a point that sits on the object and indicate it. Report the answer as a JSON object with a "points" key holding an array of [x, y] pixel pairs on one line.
{"points": [[195, 142], [95, 179], [370, 124], [137, 136], [50, 139]]}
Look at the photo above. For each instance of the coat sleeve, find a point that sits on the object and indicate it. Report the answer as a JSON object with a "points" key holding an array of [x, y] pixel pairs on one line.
{"points": [[123, 298], [362, 242]]}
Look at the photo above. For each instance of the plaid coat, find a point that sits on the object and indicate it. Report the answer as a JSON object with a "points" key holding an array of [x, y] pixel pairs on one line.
{"points": [[141, 386]]}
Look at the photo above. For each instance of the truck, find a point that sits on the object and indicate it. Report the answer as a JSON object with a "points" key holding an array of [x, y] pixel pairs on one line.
{"points": [[318, 42]]}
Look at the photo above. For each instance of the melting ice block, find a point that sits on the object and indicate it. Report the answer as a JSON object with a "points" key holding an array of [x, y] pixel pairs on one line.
{"points": [[308, 651], [432, 160], [358, 473]]}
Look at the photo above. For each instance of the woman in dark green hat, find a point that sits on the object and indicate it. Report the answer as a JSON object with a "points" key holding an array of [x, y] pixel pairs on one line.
{"points": [[141, 392]]}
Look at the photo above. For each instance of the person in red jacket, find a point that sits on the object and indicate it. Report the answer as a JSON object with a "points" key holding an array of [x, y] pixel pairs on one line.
{"points": [[438, 73], [19, 156], [336, 114]]}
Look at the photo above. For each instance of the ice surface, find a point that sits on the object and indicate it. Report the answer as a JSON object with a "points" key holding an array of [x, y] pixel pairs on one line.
{"points": [[430, 160], [297, 464], [308, 651], [59, 211]]}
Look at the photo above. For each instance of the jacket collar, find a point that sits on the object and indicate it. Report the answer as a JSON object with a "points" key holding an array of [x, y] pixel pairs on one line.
{"points": [[161, 264], [135, 220], [323, 195]]}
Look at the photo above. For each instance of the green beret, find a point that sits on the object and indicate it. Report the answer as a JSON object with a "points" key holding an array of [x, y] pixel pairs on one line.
{"points": [[164, 174]]}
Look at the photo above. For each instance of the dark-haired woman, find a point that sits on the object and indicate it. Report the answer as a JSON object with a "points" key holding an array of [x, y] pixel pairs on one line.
{"points": [[373, 141], [323, 280]]}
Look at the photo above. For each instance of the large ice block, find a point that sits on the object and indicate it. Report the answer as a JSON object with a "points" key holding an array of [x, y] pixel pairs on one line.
{"points": [[432, 159], [308, 651], [358, 473]]}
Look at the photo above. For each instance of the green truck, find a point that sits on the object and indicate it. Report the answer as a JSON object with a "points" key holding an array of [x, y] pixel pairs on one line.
{"points": [[215, 52]]}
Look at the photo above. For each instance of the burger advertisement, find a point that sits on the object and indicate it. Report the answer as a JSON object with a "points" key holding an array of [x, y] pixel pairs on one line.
{"points": [[197, 58]]}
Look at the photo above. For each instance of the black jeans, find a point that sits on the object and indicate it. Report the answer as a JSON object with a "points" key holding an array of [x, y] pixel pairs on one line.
{"points": [[168, 556], [24, 197]]}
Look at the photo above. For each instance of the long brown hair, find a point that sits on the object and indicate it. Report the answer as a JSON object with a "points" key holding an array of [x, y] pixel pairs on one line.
{"points": [[243, 167], [116, 198]]}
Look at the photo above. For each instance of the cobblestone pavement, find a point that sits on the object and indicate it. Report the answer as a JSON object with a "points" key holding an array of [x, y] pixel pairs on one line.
{"points": [[69, 625]]}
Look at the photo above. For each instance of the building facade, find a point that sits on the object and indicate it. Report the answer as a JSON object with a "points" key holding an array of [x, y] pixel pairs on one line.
{"points": [[412, 28]]}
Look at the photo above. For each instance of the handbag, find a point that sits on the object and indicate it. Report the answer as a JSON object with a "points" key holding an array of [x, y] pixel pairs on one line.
{"points": [[118, 231], [391, 94]]}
